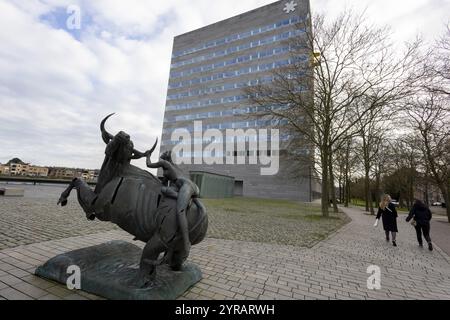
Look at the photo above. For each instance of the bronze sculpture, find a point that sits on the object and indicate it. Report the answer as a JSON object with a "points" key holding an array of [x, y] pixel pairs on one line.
{"points": [[182, 189], [141, 204]]}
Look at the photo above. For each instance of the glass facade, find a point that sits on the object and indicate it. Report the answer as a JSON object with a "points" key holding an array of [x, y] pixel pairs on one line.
{"points": [[222, 113], [244, 35], [215, 89], [208, 77], [234, 125], [235, 73], [220, 64]]}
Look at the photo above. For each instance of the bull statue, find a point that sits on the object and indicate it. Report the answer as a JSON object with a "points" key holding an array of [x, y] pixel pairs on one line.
{"points": [[141, 204]]}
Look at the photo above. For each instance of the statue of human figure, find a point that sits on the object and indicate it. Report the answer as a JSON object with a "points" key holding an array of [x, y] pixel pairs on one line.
{"points": [[180, 188]]}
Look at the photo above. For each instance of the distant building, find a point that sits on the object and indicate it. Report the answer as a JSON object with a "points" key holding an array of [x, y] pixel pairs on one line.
{"points": [[69, 173], [4, 169], [62, 173], [18, 169], [85, 174], [93, 175], [428, 192], [36, 171]]}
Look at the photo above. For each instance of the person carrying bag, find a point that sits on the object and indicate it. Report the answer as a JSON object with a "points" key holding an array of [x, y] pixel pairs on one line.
{"points": [[421, 215]]}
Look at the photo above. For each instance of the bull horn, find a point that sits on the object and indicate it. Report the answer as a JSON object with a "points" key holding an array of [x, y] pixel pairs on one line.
{"points": [[106, 136], [153, 148], [139, 154]]}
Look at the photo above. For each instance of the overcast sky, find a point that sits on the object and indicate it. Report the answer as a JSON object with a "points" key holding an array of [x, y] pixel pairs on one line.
{"points": [[57, 84]]}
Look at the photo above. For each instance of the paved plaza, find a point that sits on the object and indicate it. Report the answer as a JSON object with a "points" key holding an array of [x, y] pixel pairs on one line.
{"points": [[335, 268]]}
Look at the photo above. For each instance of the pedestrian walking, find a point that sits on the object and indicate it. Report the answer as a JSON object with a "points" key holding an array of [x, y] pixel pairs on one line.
{"points": [[388, 214], [420, 216]]}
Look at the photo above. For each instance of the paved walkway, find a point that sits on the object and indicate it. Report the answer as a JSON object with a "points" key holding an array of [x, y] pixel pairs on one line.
{"points": [[333, 269], [440, 232], [30, 220]]}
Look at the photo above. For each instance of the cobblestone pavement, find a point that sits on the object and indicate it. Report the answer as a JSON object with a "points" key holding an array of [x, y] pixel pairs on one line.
{"points": [[30, 220], [333, 269], [34, 218], [440, 230]]}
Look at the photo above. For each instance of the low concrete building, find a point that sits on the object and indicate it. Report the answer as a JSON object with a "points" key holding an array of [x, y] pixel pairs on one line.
{"points": [[213, 185]]}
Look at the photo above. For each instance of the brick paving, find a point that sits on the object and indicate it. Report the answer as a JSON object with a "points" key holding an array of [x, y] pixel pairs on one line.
{"points": [[36, 218], [440, 231], [239, 270], [29, 220]]}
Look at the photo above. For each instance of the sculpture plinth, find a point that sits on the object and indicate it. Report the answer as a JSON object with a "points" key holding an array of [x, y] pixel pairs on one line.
{"points": [[110, 270]]}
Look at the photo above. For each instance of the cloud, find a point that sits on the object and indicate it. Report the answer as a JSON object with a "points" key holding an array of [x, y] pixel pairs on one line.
{"points": [[57, 84], [407, 18]]}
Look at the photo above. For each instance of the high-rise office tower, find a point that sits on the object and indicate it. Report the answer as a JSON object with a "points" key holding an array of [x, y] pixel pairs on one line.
{"points": [[209, 69]]}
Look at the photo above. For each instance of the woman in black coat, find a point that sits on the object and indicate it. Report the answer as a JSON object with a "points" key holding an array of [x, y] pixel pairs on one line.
{"points": [[388, 215], [422, 216]]}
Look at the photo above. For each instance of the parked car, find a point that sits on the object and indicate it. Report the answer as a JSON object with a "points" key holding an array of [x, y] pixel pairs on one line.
{"points": [[395, 202], [436, 204], [443, 205]]}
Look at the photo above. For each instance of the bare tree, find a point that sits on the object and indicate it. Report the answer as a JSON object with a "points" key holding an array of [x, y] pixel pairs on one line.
{"points": [[318, 96], [438, 66], [346, 161], [408, 160], [380, 165], [371, 135], [429, 116]]}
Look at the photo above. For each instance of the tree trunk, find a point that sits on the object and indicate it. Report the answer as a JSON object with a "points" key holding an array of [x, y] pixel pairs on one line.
{"points": [[446, 194], [411, 187], [448, 207], [371, 205], [347, 193], [325, 184], [447, 201], [365, 150], [346, 182], [367, 189], [427, 186], [377, 185], [332, 187]]}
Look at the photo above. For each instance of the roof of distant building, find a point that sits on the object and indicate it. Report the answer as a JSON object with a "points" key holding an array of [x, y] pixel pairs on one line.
{"points": [[15, 160]]}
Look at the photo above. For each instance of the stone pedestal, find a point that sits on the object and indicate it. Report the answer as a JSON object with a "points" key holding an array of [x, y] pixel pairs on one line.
{"points": [[109, 270]]}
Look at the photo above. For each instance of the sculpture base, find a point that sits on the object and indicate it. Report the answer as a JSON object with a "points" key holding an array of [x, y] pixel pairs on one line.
{"points": [[110, 269]]}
